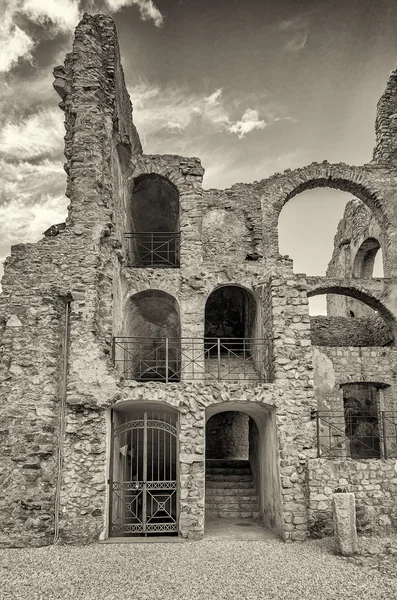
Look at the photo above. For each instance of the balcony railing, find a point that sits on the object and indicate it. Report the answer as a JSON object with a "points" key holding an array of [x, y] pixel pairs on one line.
{"points": [[153, 249], [187, 359], [342, 435]]}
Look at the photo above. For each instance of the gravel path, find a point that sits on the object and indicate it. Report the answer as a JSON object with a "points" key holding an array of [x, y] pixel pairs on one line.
{"points": [[198, 570]]}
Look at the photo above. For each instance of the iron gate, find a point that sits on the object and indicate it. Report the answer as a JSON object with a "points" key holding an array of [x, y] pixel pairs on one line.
{"points": [[144, 490]]}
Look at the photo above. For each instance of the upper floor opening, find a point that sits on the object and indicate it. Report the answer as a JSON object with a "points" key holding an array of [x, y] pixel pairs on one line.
{"points": [[153, 231]]}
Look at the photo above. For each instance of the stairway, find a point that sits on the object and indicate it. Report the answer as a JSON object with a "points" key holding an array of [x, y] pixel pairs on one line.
{"points": [[229, 490]]}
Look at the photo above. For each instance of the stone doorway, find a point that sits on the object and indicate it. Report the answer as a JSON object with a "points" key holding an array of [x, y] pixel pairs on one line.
{"points": [[242, 480], [144, 473]]}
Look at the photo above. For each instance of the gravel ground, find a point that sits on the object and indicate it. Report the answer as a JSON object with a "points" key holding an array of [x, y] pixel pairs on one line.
{"points": [[222, 569]]}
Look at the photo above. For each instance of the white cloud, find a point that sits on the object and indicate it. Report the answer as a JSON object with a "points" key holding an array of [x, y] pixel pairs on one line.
{"points": [[174, 109], [37, 135], [31, 199], [14, 43], [58, 16], [64, 14], [214, 98], [248, 122], [147, 10], [297, 27], [297, 42]]}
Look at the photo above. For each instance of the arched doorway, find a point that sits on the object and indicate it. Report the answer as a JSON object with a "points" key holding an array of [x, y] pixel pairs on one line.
{"points": [[369, 253], [242, 465], [153, 223], [149, 349], [143, 471], [233, 344]]}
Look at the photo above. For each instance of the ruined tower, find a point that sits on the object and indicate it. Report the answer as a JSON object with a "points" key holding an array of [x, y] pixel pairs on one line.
{"points": [[157, 353]]}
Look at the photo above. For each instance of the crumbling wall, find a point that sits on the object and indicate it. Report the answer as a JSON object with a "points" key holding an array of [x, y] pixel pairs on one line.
{"points": [[335, 366], [385, 151], [373, 483], [41, 278], [227, 237], [357, 225], [345, 331]]}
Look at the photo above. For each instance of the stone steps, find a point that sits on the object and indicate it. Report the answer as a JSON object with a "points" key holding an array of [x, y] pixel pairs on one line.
{"points": [[230, 490], [229, 514], [232, 506], [226, 463], [221, 471], [224, 485], [223, 477], [229, 499]]}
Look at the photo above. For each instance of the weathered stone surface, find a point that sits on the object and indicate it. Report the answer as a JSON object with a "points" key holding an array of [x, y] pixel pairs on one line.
{"points": [[344, 514], [80, 278]]}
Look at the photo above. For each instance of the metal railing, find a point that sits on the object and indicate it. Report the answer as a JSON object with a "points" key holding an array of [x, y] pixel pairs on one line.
{"points": [[358, 436], [153, 249], [187, 359]]}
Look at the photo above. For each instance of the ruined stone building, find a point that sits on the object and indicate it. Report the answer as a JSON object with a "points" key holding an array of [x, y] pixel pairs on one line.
{"points": [[159, 366]]}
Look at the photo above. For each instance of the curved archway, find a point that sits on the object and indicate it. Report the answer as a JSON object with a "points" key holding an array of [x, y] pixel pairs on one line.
{"points": [[367, 322], [143, 470], [242, 439], [152, 334], [285, 186], [345, 182], [232, 336], [364, 261], [231, 313], [153, 222]]}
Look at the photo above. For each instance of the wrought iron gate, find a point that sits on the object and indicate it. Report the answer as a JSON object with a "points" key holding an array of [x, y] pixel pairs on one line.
{"points": [[144, 489]]}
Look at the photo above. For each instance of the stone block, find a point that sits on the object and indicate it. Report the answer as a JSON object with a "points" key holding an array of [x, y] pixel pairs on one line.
{"points": [[344, 515]]}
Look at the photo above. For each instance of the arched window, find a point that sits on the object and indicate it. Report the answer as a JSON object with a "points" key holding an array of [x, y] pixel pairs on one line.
{"points": [[153, 223], [231, 316], [232, 344], [150, 347], [368, 254]]}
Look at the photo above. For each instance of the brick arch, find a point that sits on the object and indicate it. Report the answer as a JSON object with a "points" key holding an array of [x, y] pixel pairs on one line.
{"points": [[339, 177], [217, 311], [145, 166], [359, 294], [283, 187], [363, 262]]}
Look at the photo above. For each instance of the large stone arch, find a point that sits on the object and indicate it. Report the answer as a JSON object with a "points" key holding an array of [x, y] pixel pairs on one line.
{"points": [[318, 287], [263, 455], [287, 185]]}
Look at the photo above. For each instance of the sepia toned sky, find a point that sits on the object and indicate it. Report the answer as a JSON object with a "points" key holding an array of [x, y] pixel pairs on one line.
{"points": [[251, 87]]}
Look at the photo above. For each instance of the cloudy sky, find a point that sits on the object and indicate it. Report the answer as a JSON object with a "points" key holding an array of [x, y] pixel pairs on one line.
{"points": [[252, 87]]}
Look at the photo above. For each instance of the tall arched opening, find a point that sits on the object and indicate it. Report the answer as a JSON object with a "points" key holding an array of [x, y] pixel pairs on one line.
{"points": [[149, 349], [242, 465], [153, 223], [232, 330], [143, 471], [366, 258]]}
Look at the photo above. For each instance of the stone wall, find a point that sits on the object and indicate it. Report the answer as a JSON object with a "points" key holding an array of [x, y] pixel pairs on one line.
{"points": [[335, 366], [374, 484], [345, 331], [227, 238], [227, 436], [358, 235], [385, 152]]}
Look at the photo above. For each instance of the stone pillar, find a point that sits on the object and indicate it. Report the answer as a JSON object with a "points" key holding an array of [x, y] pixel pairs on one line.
{"points": [[344, 514]]}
